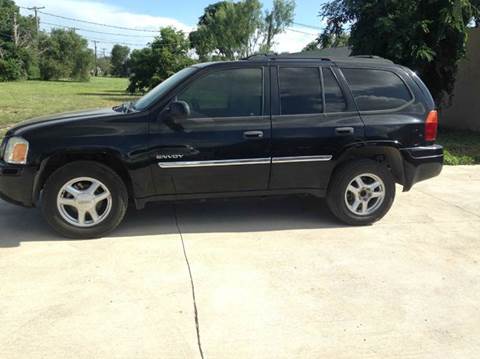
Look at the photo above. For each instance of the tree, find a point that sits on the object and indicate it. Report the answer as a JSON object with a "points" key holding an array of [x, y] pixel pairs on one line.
{"points": [[427, 36], [225, 28], [17, 56], [119, 60], [325, 41], [105, 66], [166, 55], [276, 21], [476, 6], [65, 54], [231, 30]]}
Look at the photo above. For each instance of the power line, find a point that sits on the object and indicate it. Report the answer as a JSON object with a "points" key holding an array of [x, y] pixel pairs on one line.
{"points": [[307, 26], [300, 32], [36, 10], [96, 23], [96, 32], [91, 40], [114, 42]]}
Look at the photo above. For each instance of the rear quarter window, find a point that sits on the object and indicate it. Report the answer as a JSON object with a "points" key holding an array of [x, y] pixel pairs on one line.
{"points": [[377, 90]]}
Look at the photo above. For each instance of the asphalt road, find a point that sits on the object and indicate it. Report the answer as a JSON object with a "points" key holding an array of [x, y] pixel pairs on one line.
{"points": [[272, 278]]}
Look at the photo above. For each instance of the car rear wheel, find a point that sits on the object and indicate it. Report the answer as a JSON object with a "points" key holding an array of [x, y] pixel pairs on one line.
{"points": [[361, 193], [84, 200]]}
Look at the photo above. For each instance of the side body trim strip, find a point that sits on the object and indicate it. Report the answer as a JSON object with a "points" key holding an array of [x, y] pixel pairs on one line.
{"points": [[278, 160], [239, 162], [242, 162]]}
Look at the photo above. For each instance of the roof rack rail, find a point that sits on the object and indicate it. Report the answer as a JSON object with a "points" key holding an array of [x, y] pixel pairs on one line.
{"points": [[261, 56], [314, 56], [369, 57]]}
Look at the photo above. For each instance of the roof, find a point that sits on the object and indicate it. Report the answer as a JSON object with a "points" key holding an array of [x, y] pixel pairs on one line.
{"points": [[338, 54], [344, 51]]}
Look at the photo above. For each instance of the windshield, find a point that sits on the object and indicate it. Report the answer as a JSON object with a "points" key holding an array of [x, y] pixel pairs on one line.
{"points": [[155, 94]]}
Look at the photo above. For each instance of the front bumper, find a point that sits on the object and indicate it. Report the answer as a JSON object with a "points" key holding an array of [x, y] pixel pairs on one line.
{"points": [[421, 163], [16, 184]]}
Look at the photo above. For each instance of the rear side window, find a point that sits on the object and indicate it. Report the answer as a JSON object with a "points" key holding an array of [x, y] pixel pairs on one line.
{"points": [[228, 93], [300, 90], [375, 90], [334, 99]]}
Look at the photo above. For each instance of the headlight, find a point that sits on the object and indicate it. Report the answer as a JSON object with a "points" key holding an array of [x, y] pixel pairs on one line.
{"points": [[16, 151]]}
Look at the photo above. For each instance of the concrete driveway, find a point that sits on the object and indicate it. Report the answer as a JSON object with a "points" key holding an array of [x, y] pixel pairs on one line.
{"points": [[273, 278]]}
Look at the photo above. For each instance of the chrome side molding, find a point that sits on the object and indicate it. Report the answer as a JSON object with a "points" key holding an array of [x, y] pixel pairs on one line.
{"points": [[246, 161], [219, 163], [296, 159]]}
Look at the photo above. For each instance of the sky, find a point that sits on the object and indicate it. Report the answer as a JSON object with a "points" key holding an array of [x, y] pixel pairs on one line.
{"points": [[151, 15]]}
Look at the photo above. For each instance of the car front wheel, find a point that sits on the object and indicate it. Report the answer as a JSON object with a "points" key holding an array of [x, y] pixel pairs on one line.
{"points": [[84, 199]]}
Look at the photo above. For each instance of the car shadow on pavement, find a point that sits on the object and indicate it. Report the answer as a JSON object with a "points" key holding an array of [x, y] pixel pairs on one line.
{"points": [[19, 225], [233, 215]]}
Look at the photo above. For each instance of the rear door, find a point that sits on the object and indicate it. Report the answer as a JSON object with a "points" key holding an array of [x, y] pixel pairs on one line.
{"points": [[224, 145], [313, 119]]}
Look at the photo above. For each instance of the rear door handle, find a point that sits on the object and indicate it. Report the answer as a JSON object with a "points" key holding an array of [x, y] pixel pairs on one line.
{"points": [[252, 135], [344, 131]]}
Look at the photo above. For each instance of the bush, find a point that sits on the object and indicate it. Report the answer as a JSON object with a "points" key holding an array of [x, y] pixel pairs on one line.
{"points": [[65, 54], [10, 70], [28, 58], [52, 70]]}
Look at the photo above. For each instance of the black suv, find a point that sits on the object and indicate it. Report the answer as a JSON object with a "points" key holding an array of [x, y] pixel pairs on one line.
{"points": [[345, 129]]}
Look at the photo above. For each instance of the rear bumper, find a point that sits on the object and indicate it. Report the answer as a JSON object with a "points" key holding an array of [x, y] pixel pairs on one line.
{"points": [[421, 163], [16, 184]]}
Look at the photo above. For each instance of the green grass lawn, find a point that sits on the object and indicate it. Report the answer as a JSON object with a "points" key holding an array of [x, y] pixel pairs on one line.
{"points": [[26, 99], [461, 147]]}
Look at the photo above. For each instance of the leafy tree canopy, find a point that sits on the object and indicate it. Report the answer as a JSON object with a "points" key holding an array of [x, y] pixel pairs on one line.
{"points": [[327, 41], [166, 55], [225, 28], [231, 30], [64, 54], [427, 36], [276, 21], [119, 60], [476, 5], [17, 56]]}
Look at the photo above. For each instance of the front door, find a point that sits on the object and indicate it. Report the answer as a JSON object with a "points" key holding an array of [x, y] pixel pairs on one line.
{"points": [[223, 142]]}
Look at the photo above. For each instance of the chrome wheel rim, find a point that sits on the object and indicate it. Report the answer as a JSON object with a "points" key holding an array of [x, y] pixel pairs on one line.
{"points": [[84, 202], [365, 194]]}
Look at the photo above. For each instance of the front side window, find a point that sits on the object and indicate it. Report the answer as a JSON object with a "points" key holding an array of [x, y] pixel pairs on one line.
{"points": [[227, 93], [300, 90], [375, 90], [156, 94]]}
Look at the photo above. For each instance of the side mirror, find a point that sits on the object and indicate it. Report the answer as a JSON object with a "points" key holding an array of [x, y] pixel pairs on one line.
{"points": [[179, 110]]}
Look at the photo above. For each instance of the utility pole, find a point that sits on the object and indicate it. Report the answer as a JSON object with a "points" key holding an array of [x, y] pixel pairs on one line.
{"points": [[104, 50], [37, 20], [15, 30], [96, 68]]}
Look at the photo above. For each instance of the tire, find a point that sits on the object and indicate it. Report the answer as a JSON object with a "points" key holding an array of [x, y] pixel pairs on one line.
{"points": [[69, 187], [359, 182]]}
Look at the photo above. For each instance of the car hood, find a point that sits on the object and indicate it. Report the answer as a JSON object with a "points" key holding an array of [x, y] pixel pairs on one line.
{"points": [[61, 117]]}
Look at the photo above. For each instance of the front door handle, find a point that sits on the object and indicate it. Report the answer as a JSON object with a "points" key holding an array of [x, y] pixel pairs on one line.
{"points": [[253, 135], [344, 131]]}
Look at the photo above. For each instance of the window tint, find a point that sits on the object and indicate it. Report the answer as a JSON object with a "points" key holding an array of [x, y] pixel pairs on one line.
{"points": [[377, 89], [154, 95], [300, 90], [334, 99], [229, 93]]}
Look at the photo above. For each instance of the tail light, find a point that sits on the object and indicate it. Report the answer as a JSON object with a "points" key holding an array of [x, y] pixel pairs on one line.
{"points": [[431, 126]]}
